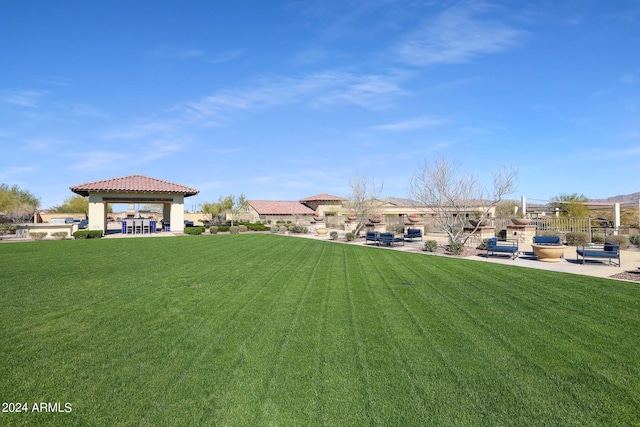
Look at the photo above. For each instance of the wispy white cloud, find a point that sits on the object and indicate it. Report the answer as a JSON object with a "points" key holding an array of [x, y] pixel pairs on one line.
{"points": [[457, 35], [223, 57], [412, 124], [42, 145], [82, 110], [158, 149], [176, 52], [141, 131], [25, 98], [97, 160], [628, 78], [323, 88], [7, 174]]}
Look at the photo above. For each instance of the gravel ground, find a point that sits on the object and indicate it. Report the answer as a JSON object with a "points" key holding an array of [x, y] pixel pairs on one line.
{"points": [[632, 275]]}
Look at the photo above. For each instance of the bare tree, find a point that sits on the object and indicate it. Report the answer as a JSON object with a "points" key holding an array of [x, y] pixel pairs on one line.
{"points": [[453, 195], [21, 212], [363, 198], [235, 204]]}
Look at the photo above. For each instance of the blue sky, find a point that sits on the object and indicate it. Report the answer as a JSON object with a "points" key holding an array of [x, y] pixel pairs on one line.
{"points": [[288, 99]]}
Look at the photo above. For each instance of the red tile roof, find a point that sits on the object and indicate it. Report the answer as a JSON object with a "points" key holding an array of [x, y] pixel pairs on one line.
{"points": [[323, 198], [280, 207], [133, 183]]}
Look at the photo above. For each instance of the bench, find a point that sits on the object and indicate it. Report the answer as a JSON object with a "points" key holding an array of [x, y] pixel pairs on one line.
{"points": [[608, 251], [546, 240], [389, 239], [413, 233], [371, 236], [502, 247]]}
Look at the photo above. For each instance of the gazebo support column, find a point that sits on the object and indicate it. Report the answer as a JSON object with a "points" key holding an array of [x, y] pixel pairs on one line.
{"points": [[97, 213], [177, 214], [166, 213]]}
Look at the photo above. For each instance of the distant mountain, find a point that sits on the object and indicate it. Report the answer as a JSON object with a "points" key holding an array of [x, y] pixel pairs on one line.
{"points": [[627, 198]]}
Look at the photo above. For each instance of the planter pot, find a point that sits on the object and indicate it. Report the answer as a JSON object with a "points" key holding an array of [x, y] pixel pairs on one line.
{"points": [[520, 221], [375, 219], [322, 231], [413, 219], [479, 223], [318, 218], [352, 217], [548, 253]]}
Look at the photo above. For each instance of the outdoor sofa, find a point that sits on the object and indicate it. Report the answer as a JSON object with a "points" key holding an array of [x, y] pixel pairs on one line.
{"points": [[371, 236], [608, 251], [502, 247], [413, 233], [546, 240], [389, 239]]}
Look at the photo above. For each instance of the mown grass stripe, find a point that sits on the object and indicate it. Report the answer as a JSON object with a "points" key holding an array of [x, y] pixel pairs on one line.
{"points": [[277, 330]]}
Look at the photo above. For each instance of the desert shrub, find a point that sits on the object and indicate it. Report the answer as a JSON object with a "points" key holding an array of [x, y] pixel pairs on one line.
{"points": [[213, 229], [223, 228], [350, 236], [456, 248], [282, 229], [242, 228], [597, 238], [622, 241], [7, 229], [298, 229], [430, 246], [59, 235], [234, 229], [194, 230], [483, 245], [398, 229], [333, 235], [274, 229], [576, 238], [87, 234], [634, 239], [257, 227], [37, 235]]}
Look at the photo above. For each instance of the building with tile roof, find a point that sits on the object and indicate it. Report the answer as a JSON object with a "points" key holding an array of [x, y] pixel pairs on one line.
{"points": [[135, 189]]}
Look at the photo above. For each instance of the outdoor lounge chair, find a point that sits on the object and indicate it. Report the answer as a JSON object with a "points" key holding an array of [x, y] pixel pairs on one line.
{"points": [[506, 247], [390, 239]]}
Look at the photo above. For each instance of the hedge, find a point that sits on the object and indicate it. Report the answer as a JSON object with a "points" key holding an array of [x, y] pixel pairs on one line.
{"points": [[87, 234], [194, 230]]}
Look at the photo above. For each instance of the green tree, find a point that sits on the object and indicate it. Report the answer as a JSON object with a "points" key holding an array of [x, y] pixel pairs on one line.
{"points": [[73, 204], [571, 205], [17, 204], [212, 211]]}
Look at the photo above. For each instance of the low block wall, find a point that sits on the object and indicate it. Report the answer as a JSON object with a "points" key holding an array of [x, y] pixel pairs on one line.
{"points": [[23, 230]]}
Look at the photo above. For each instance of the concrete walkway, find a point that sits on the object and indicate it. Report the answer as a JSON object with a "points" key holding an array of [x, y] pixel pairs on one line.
{"points": [[630, 259]]}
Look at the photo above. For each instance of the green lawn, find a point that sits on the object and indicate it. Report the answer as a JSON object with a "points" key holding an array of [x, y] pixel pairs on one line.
{"points": [[274, 330]]}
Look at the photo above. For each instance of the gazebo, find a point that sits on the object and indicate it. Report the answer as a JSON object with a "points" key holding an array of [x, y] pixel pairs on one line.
{"points": [[135, 189]]}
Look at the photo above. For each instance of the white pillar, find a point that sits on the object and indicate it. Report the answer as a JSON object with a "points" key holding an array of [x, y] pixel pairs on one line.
{"points": [[177, 214], [97, 213], [616, 218], [524, 205]]}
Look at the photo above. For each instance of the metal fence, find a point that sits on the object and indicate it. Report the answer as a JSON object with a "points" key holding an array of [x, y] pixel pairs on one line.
{"points": [[569, 225]]}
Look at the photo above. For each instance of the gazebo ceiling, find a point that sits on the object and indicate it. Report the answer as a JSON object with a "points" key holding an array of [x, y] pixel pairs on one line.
{"points": [[133, 184]]}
